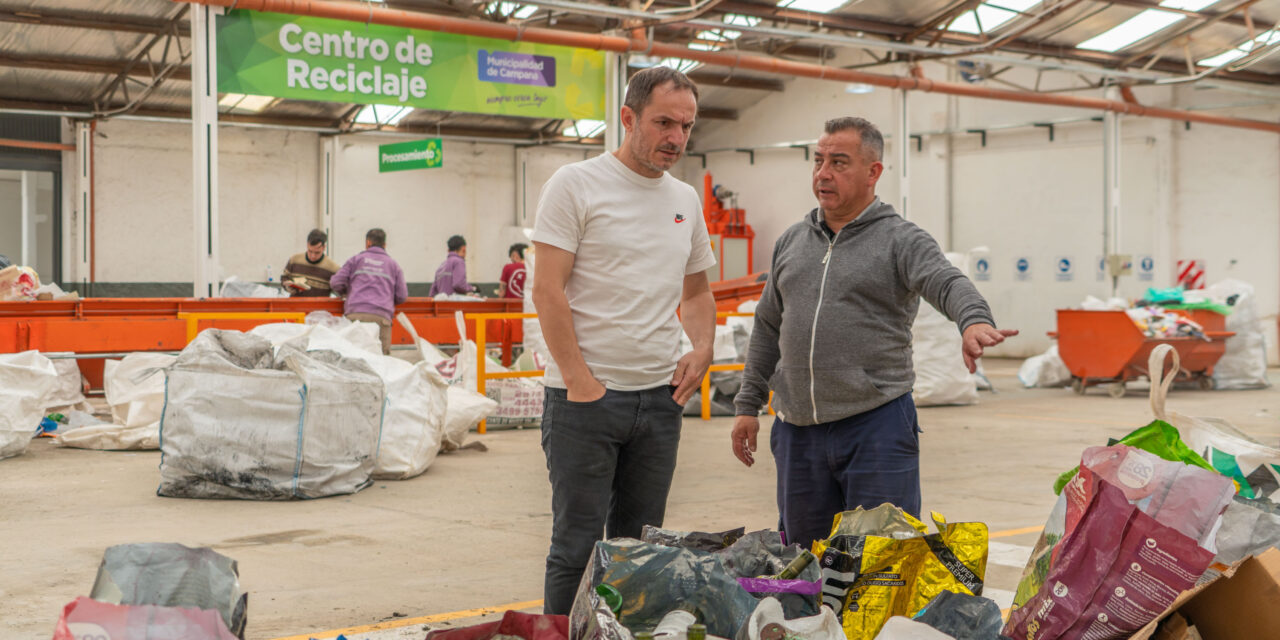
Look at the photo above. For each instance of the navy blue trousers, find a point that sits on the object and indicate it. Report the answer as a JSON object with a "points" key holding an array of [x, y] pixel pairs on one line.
{"points": [[864, 461]]}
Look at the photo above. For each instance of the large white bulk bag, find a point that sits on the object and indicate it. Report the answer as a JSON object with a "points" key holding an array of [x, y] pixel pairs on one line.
{"points": [[243, 421]]}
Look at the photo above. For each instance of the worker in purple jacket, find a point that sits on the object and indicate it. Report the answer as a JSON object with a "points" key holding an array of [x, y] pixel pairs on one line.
{"points": [[451, 277], [373, 284]]}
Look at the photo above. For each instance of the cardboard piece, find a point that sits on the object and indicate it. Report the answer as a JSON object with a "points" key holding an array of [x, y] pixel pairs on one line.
{"points": [[1241, 603]]}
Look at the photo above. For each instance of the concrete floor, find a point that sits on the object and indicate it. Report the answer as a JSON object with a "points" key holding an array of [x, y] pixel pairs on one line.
{"points": [[472, 532]]}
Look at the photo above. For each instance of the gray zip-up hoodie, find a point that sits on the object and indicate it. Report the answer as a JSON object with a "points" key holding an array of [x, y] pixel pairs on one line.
{"points": [[832, 334]]}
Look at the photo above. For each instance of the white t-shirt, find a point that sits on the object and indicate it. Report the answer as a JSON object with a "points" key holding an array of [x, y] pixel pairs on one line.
{"points": [[634, 240]]}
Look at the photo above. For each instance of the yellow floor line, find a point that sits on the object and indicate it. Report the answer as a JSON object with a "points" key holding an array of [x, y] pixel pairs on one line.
{"points": [[406, 622], [518, 606], [1013, 532], [1109, 423]]}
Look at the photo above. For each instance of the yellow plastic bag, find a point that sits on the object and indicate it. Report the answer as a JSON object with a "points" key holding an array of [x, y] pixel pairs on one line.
{"points": [[882, 562]]}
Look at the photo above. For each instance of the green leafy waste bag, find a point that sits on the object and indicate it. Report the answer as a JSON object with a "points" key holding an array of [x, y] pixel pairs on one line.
{"points": [[1160, 438]]}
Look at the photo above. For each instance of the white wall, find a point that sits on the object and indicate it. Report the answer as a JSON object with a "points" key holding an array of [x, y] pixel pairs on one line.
{"points": [[11, 215], [1211, 193], [11, 219], [269, 187], [267, 197], [477, 194]]}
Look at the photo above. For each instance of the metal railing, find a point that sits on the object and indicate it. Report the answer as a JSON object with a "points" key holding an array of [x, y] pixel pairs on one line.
{"points": [[193, 318], [483, 376]]}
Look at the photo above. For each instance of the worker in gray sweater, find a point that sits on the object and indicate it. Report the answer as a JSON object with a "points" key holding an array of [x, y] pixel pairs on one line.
{"points": [[832, 339]]}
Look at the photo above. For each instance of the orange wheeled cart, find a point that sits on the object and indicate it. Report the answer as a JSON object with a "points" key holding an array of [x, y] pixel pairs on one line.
{"points": [[1106, 347]]}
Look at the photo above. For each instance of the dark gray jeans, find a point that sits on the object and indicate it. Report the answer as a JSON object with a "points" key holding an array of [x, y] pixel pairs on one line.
{"points": [[610, 463]]}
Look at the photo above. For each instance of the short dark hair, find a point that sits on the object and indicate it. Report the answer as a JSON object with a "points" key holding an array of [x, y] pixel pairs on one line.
{"points": [[518, 247], [317, 237], [640, 87], [872, 139], [377, 236], [457, 242]]}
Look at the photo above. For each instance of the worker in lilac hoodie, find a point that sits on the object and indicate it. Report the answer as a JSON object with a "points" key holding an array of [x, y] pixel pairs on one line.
{"points": [[373, 284], [451, 276]]}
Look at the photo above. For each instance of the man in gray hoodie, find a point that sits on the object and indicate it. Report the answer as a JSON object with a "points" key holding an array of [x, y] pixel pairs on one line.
{"points": [[832, 339]]}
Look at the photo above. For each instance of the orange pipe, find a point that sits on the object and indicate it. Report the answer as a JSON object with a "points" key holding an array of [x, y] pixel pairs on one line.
{"points": [[395, 17], [32, 144]]}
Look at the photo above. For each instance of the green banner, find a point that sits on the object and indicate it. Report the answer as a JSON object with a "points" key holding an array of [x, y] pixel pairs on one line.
{"points": [[306, 58], [415, 154]]}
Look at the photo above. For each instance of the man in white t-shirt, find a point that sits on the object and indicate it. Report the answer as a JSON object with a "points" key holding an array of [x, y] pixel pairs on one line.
{"points": [[621, 245]]}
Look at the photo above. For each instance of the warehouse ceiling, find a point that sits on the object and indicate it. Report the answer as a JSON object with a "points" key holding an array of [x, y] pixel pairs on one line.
{"points": [[110, 58]]}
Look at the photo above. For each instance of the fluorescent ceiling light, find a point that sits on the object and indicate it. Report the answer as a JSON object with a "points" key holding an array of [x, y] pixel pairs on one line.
{"points": [[242, 102], [585, 129], [1132, 30], [382, 114], [858, 88], [819, 6], [1263, 39], [992, 15]]}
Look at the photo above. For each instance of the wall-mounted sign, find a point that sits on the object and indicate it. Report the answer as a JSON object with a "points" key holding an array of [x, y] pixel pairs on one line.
{"points": [[1063, 269], [982, 269], [415, 154], [1022, 268], [1190, 274], [1146, 268], [307, 58]]}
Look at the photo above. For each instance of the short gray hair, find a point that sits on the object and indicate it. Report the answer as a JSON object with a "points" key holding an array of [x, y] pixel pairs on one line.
{"points": [[640, 87], [872, 139]]}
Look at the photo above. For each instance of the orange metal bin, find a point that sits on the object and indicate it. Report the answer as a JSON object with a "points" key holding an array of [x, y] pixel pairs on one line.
{"points": [[1101, 347]]}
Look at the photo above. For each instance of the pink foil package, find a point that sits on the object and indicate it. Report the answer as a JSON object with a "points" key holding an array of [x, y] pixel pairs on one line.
{"points": [[1138, 532]]}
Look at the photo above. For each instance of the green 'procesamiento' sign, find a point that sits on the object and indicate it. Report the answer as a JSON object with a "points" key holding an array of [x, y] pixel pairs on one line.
{"points": [[415, 154], [308, 58]]}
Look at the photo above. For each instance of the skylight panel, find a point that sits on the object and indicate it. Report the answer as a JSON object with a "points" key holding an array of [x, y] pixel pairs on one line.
{"points": [[242, 102], [680, 64], [382, 114], [1263, 39], [1222, 58], [741, 20], [1132, 30], [819, 6], [585, 129], [1188, 5], [513, 9], [991, 15]]}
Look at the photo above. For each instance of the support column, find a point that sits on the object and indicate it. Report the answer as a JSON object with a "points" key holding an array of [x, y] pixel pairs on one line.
{"points": [[328, 173], [1111, 185], [615, 88], [204, 148], [30, 242], [902, 149], [83, 251]]}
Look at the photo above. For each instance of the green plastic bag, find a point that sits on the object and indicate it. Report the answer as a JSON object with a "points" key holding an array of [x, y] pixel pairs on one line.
{"points": [[1160, 438], [1216, 307], [1170, 295]]}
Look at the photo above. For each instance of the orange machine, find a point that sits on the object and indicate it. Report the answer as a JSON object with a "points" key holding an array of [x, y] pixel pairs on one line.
{"points": [[731, 237]]}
